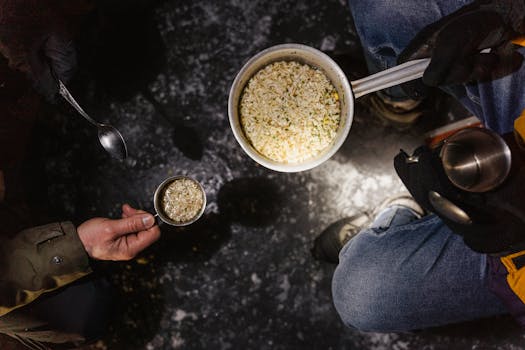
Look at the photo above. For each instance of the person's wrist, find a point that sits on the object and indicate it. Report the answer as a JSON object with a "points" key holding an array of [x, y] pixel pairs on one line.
{"points": [[83, 237]]}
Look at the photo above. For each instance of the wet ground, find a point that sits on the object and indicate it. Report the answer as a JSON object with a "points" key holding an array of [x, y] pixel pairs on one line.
{"points": [[242, 277]]}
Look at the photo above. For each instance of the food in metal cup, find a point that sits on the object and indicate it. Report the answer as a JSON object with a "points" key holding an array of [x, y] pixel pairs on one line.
{"points": [[180, 200]]}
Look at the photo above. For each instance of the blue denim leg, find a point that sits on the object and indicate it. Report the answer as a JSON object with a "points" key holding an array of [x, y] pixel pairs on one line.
{"points": [[404, 274], [385, 27], [497, 103], [395, 215]]}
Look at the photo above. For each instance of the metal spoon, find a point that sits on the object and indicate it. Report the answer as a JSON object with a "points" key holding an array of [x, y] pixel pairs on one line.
{"points": [[109, 137]]}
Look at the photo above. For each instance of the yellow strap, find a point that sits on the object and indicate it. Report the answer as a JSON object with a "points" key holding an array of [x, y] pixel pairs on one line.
{"points": [[519, 127], [23, 297], [519, 41], [516, 277]]}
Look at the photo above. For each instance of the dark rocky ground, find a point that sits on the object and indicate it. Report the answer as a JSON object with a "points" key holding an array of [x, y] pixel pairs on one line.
{"points": [[242, 277]]}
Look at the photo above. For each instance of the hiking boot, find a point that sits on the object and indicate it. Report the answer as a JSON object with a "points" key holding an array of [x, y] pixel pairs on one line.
{"points": [[330, 242], [400, 114]]}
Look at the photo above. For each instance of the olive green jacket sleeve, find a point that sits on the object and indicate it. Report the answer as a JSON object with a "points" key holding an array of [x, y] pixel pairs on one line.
{"points": [[39, 260]]}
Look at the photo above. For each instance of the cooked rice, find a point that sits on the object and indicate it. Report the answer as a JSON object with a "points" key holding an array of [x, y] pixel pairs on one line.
{"points": [[290, 112], [182, 200]]}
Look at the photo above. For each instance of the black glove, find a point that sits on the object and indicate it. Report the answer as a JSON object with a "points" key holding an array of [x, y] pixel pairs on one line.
{"points": [[56, 59], [35, 38], [498, 216], [455, 42]]}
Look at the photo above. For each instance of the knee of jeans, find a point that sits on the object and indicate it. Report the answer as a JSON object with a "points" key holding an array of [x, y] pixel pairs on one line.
{"points": [[371, 12], [362, 298]]}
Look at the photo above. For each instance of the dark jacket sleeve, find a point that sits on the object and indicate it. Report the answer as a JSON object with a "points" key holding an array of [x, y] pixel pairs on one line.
{"points": [[25, 25], [39, 260]]}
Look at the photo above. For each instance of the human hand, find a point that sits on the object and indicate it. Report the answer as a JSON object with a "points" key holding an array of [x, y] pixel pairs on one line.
{"points": [[56, 59], [497, 216], [123, 239], [458, 43]]}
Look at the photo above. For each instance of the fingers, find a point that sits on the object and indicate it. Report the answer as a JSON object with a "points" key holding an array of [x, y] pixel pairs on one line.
{"points": [[508, 62], [135, 243], [44, 82], [484, 64], [420, 47], [62, 55], [131, 224], [444, 60], [58, 61], [123, 239], [133, 233], [128, 211], [454, 44]]}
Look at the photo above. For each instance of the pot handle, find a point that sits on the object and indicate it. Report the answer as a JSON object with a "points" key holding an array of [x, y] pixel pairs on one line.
{"points": [[399, 74]]}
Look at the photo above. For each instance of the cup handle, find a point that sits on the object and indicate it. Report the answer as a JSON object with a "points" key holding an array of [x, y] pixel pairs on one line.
{"points": [[448, 209], [158, 219]]}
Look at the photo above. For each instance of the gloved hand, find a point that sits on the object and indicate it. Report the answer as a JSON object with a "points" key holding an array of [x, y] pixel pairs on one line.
{"points": [[457, 43], [35, 38], [55, 59], [498, 216]]}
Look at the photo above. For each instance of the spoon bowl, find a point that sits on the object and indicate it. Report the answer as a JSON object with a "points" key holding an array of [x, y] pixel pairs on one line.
{"points": [[112, 141]]}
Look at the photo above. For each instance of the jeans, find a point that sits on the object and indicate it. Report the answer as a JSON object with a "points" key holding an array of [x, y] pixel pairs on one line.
{"points": [[405, 273], [385, 27]]}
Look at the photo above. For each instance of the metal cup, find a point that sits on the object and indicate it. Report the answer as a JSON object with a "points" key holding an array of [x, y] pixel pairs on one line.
{"points": [[159, 193], [476, 159]]}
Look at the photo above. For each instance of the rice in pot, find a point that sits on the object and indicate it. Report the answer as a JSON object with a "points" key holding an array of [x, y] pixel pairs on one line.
{"points": [[290, 112]]}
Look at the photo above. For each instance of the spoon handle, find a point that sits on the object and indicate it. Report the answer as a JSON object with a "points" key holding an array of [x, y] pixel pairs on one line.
{"points": [[64, 92], [402, 73]]}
